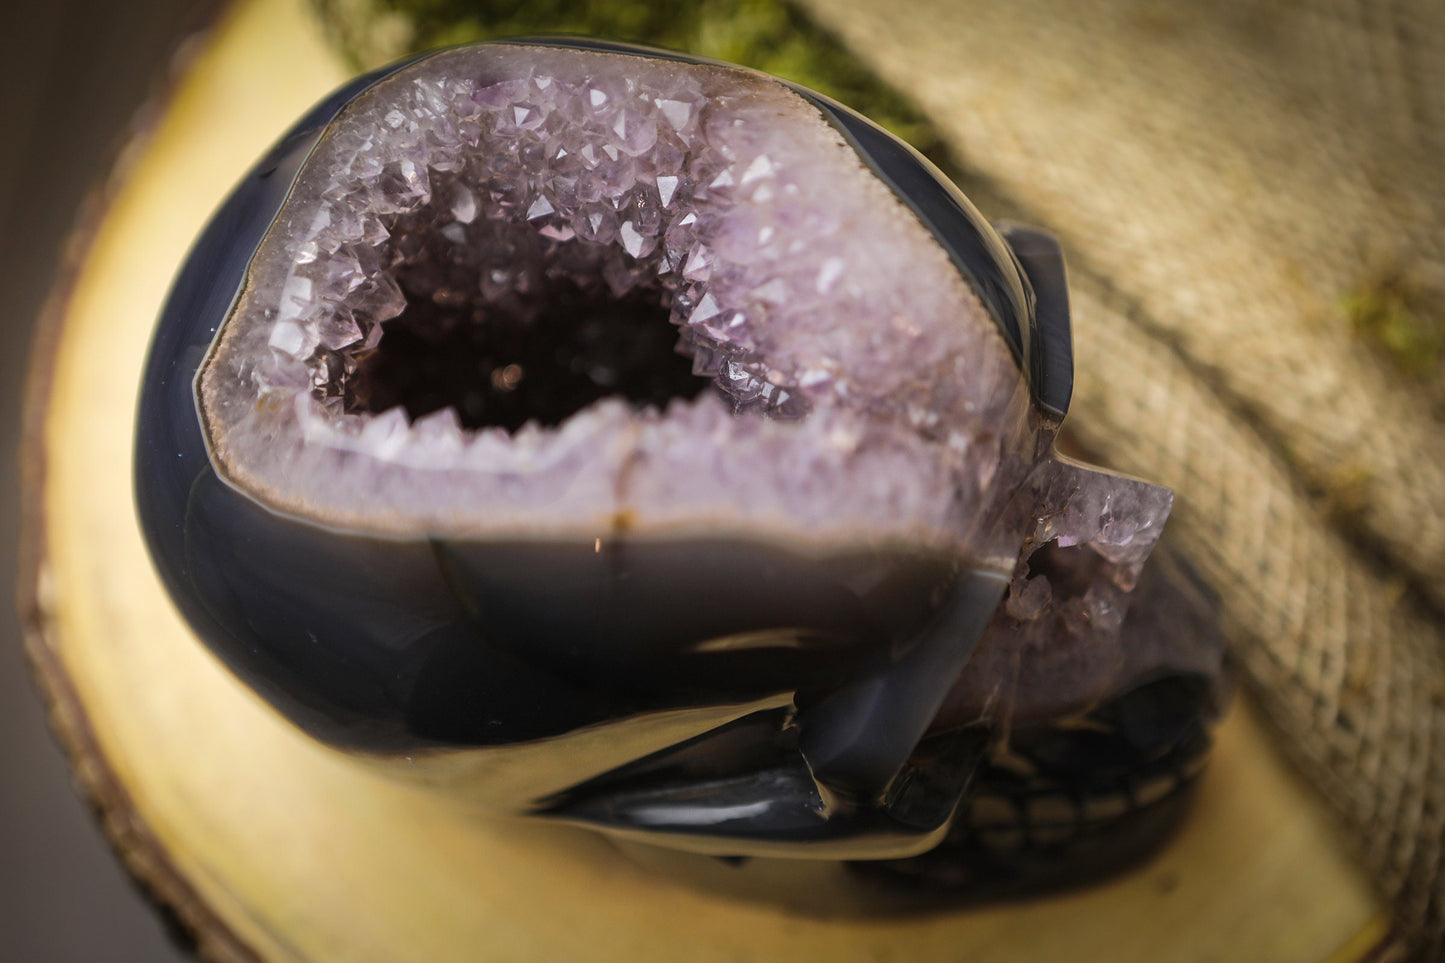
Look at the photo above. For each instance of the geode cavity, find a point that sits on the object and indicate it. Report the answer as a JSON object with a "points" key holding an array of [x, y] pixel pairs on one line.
{"points": [[674, 447]]}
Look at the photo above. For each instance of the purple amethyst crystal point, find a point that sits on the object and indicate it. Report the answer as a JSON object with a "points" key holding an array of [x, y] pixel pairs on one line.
{"points": [[675, 446]]}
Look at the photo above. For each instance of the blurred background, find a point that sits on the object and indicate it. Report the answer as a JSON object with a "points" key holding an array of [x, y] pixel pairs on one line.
{"points": [[73, 75]]}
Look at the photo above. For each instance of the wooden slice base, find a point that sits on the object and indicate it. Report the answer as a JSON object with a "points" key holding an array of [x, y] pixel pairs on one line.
{"points": [[270, 846]]}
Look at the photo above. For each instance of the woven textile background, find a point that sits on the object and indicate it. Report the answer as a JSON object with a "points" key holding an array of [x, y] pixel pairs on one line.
{"points": [[1250, 196]]}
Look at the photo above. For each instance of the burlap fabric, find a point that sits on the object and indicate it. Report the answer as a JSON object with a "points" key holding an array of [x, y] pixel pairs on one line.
{"points": [[1233, 182]]}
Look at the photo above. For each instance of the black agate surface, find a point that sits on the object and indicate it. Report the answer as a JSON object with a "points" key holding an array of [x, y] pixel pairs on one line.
{"points": [[648, 444]]}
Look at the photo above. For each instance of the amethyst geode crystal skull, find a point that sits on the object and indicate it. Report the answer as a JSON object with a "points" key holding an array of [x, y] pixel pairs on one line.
{"points": [[670, 450]]}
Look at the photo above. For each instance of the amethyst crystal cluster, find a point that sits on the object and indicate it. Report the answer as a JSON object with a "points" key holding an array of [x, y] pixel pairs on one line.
{"points": [[484, 189], [677, 449]]}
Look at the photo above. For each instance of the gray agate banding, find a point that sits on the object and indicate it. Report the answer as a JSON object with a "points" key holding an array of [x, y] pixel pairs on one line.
{"points": [[671, 450]]}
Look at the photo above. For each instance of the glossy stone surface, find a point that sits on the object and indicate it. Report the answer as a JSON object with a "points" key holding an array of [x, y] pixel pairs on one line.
{"points": [[536, 392]]}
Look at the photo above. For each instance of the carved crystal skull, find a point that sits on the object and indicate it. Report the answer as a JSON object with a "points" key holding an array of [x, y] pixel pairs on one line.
{"points": [[651, 444]]}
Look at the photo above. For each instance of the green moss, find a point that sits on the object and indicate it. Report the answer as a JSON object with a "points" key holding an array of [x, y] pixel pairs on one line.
{"points": [[1393, 315], [770, 35]]}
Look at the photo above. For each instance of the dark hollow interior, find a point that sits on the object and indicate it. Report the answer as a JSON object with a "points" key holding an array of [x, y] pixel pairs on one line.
{"points": [[499, 367], [1070, 570]]}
